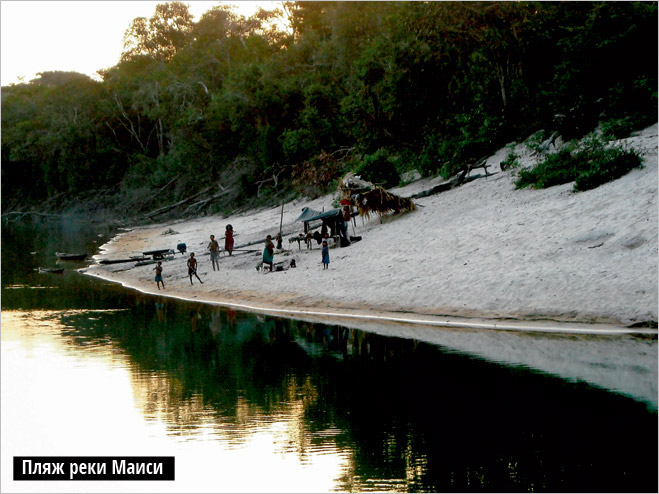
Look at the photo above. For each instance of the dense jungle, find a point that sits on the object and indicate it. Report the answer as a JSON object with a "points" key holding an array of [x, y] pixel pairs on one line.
{"points": [[228, 112]]}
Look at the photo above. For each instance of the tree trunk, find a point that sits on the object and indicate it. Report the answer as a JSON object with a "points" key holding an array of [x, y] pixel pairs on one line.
{"points": [[164, 209]]}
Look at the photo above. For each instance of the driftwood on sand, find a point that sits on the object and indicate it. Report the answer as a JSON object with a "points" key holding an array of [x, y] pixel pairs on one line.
{"points": [[238, 247], [457, 179]]}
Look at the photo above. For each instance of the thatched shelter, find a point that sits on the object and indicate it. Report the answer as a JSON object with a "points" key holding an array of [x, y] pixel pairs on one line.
{"points": [[370, 198]]}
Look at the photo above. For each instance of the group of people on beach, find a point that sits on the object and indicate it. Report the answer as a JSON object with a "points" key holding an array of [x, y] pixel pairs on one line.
{"points": [[214, 248], [192, 271], [269, 252]]}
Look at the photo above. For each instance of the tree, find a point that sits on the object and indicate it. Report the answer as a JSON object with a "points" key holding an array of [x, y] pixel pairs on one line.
{"points": [[432, 85], [162, 36]]}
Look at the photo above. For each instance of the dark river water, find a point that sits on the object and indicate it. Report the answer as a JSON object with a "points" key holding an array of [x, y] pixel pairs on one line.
{"points": [[254, 403]]}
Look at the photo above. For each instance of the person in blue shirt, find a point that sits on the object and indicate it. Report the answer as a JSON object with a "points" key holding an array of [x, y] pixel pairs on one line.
{"points": [[325, 253]]}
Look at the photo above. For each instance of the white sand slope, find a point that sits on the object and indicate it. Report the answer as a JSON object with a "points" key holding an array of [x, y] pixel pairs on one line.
{"points": [[484, 250]]}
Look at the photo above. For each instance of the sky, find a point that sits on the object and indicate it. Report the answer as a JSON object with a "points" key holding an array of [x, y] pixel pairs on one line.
{"points": [[80, 36]]}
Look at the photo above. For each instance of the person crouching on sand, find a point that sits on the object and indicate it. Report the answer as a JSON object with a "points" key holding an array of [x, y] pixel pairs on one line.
{"points": [[325, 253], [192, 268], [158, 270]]}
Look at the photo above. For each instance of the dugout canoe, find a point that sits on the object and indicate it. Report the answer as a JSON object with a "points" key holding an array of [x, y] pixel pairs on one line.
{"points": [[64, 256], [51, 270]]}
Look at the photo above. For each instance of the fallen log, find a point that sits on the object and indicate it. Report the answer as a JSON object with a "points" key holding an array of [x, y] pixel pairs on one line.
{"points": [[144, 203], [120, 261], [456, 180], [205, 202], [242, 252], [164, 209], [17, 215], [153, 261], [260, 241]]}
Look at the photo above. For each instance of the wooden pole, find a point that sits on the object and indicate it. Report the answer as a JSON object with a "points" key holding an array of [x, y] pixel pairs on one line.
{"points": [[281, 221]]}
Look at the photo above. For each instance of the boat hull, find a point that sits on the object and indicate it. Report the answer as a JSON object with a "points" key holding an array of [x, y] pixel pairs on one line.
{"points": [[51, 270], [70, 257]]}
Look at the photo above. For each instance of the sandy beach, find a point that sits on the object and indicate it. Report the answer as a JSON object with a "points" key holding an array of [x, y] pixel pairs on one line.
{"points": [[481, 255]]}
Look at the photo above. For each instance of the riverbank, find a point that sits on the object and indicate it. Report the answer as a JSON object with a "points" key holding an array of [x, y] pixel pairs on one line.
{"points": [[482, 254]]}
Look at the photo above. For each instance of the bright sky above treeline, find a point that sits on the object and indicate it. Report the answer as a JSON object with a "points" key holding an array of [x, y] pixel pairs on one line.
{"points": [[79, 36]]}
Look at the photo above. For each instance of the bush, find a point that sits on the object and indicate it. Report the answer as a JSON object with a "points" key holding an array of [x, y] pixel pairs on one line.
{"points": [[319, 174], [379, 169], [611, 165], [435, 150], [617, 128], [589, 166], [511, 159], [558, 168]]}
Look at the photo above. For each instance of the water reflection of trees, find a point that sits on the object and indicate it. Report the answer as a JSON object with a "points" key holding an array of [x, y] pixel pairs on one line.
{"points": [[32, 242], [410, 414]]}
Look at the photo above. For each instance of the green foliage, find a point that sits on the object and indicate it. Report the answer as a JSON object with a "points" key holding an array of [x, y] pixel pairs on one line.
{"points": [[588, 166], [248, 186], [617, 128], [535, 141], [319, 174], [429, 161], [558, 168], [164, 34], [378, 168], [426, 85], [608, 166], [511, 159]]}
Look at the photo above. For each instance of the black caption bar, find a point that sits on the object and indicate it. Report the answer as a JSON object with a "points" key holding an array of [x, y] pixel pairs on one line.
{"points": [[93, 468]]}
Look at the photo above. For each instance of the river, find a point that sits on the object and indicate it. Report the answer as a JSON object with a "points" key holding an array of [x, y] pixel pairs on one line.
{"points": [[253, 403]]}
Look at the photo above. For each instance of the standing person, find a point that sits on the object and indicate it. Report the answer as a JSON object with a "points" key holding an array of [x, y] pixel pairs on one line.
{"points": [[158, 270], [214, 247], [192, 268], [278, 238], [345, 223], [228, 239], [325, 253], [269, 252]]}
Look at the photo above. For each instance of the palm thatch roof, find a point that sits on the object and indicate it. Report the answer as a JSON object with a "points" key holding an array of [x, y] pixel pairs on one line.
{"points": [[370, 198]]}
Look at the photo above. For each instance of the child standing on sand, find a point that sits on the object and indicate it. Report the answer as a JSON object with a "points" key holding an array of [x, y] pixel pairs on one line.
{"points": [[214, 247], [325, 253], [192, 268], [158, 270]]}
